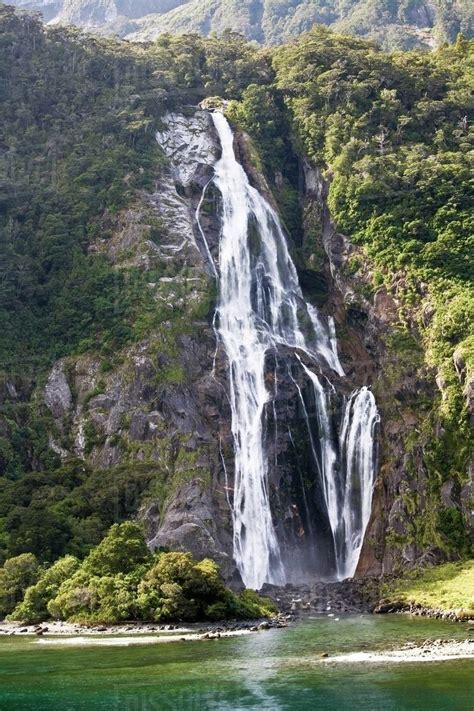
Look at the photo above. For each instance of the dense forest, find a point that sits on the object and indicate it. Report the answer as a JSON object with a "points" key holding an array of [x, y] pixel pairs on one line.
{"points": [[392, 135]]}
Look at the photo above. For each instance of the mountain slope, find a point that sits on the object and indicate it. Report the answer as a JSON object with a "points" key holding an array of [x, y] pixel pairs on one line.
{"points": [[101, 12], [392, 23], [113, 397], [48, 8], [107, 16]]}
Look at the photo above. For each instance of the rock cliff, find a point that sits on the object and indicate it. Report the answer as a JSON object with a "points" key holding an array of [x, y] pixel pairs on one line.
{"points": [[164, 403]]}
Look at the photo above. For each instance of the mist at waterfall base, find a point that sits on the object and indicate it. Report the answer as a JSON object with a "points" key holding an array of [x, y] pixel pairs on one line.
{"points": [[261, 311]]}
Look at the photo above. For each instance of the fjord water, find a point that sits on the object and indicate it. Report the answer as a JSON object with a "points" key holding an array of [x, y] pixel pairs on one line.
{"points": [[260, 309], [276, 670]]}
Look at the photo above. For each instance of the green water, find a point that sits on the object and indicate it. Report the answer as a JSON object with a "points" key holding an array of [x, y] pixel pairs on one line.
{"points": [[277, 669]]}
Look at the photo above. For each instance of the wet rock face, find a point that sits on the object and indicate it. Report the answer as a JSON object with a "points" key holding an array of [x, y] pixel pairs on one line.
{"points": [[188, 203], [190, 144], [190, 523]]}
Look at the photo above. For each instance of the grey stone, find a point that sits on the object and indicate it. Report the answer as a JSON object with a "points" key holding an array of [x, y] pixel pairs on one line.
{"points": [[57, 393]]}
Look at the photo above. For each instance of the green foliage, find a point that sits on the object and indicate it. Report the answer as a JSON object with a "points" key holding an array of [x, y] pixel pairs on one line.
{"points": [[16, 576], [120, 552], [75, 145], [178, 588], [120, 580], [444, 587], [89, 598], [71, 509], [393, 134], [252, 604], [262, 114], [34, 606], [451, 525]]}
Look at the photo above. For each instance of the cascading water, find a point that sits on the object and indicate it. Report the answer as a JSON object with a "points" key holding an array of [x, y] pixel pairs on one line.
{"points": [[358, 458], [348, 479], [261, 308]]}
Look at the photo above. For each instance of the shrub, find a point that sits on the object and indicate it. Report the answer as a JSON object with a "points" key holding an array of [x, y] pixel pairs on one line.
{"points": [[120, 580], [177, 587]]}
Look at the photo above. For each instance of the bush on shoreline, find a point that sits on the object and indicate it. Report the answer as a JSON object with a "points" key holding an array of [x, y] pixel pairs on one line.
{"points": [[121, 580]]}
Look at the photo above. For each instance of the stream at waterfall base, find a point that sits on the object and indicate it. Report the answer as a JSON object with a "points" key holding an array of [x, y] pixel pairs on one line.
{"points": [[274, 669]]}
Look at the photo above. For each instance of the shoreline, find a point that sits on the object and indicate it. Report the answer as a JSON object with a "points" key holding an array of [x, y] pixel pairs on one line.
{"points": [[215, 630], [439, 650], [356, 596], [66, 634], [395, 608], [170, 632]]}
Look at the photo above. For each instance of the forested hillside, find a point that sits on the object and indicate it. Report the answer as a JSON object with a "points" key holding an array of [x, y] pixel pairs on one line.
{"points": [[394, 24], [78, 118], [391, 135]]}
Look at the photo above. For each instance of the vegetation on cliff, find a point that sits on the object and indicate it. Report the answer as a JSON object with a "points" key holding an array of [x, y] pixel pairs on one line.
{"points": [[393, 137], [121, 580], [78, 149]]}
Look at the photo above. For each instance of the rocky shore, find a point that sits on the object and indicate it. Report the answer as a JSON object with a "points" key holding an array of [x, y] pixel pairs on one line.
{"points": [[294, 602], [348, 596], [392, 606], [351, 596], [430, 651], [169, 632]]}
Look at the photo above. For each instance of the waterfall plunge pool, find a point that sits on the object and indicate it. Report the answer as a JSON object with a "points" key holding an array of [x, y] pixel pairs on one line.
{"points": [[271, 670]]}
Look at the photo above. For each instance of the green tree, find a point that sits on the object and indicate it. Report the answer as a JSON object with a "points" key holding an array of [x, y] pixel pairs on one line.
{"points": [[121, 551], [16, 576], [34, 607]]}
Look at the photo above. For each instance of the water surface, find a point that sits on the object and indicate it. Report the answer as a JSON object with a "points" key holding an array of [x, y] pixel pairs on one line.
{"points": [[272, 670]]}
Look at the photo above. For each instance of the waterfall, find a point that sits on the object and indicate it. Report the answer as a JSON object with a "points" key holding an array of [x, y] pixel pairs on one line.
{"points": [[348, 479], [261, 308], [358, 457]]}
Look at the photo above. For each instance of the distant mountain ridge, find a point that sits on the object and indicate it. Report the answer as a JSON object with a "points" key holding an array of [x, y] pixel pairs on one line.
{"points": [[99, 14], [394, 24]]}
